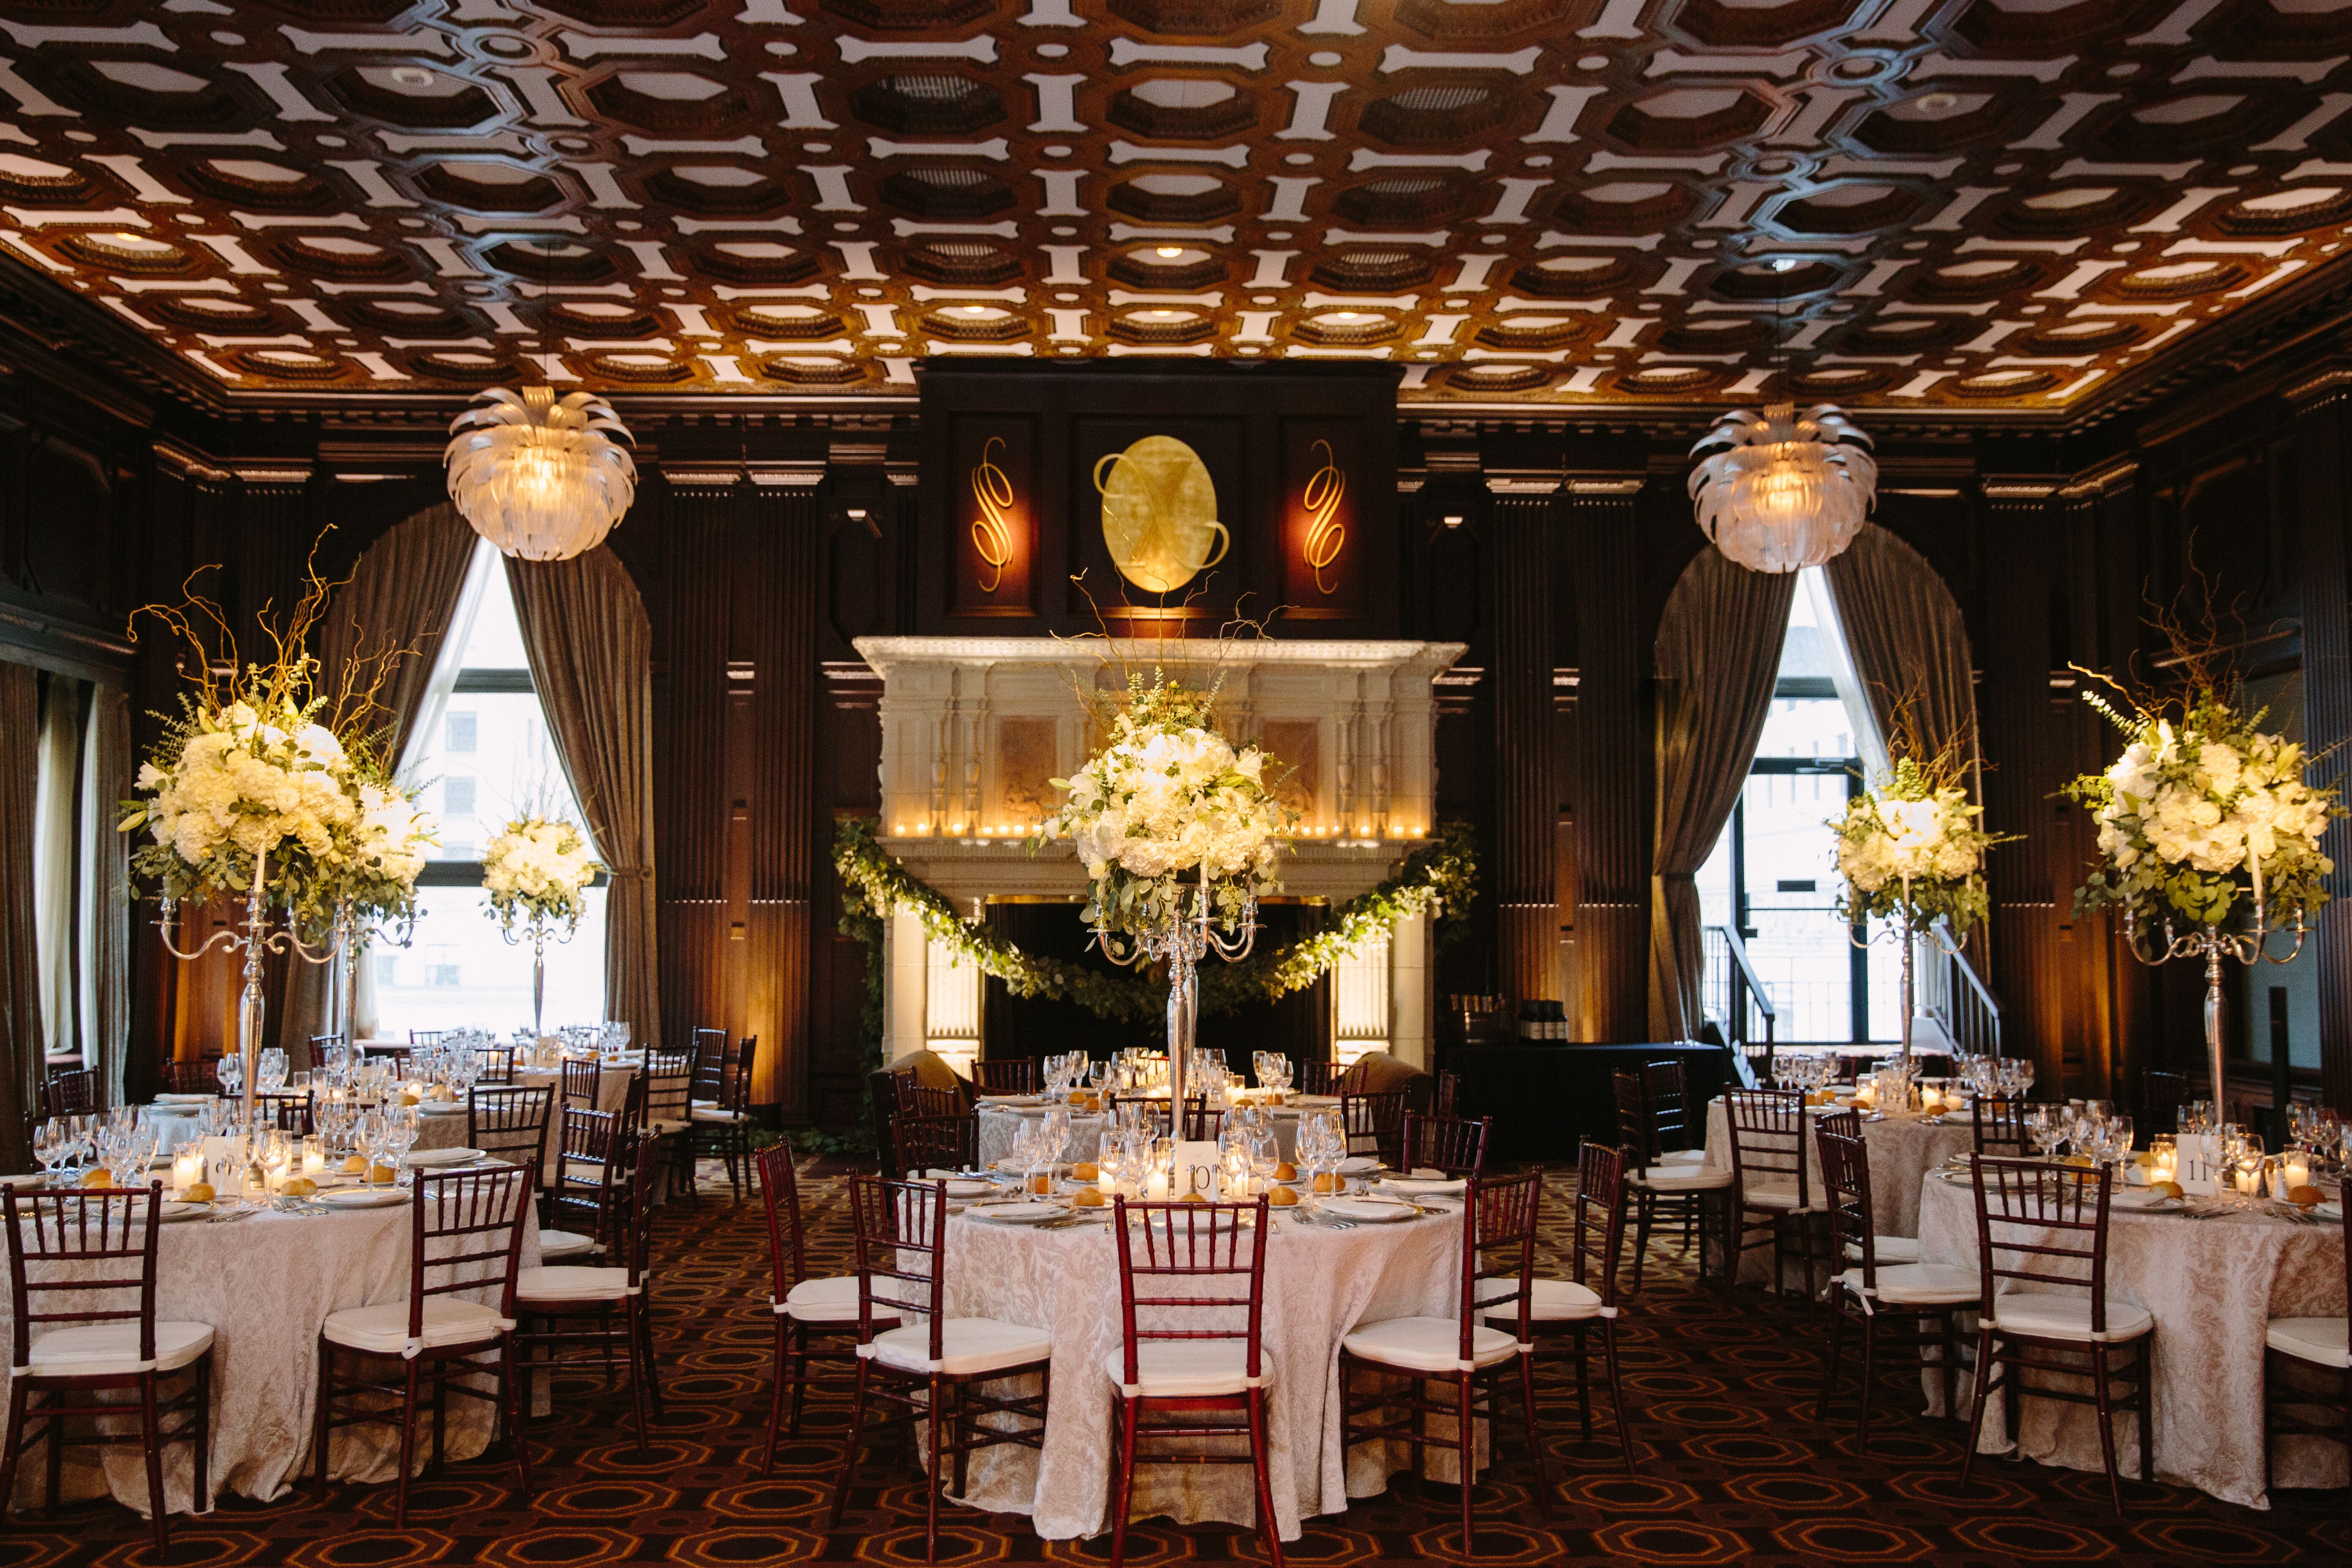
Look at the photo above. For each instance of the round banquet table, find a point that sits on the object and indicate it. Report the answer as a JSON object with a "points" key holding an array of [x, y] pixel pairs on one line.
{"points": [[2213, 1286], [266, 1283], [1903, 1149], [446, 1129], [1319, 1285], [999, 1121]]}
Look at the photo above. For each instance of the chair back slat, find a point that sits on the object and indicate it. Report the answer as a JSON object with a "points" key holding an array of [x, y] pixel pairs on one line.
{"points": [[508, 1122], [901, 1232], [73, 1093], [1635, 1131], [1446, 1144], [1200, 1245], [191, 1078], [920, 1099], [710, 1060], [586, 1168], [68, 1246], [1200, 1123], [494, 1064], [668, 1078], [1374, 1123], [2041, 1223], [1599, 1219], [1313, 1077], [1668, 1092], [1498, 1243], [936, 1143], [467, 1234], [579, 1082], [1007, 1074], [1845, 1188], [1998, 1124], [787, 1235], [1447, 1099], [1768, 1140], [286, 1112], [735, 1092]]}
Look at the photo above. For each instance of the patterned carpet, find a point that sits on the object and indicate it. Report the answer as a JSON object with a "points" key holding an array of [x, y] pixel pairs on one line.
{"points": [[1733, 1468]]}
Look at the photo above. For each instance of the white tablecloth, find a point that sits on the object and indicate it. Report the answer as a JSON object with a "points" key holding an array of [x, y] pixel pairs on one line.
{"points": [[998, 1123], [2213, 1286], [266, 1284], [1319, 1285], [1902, 1150]]}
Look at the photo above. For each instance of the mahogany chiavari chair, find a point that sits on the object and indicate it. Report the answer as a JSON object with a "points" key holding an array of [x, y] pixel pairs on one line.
{"points": [[901, 1232], [578, 1083], [1155, 1109], [2304, 1345], [668, 1079], [1375, 1124], [426, 1037], [1313, 1077], [710, 1057], [922, 1100], [1200, 1123], [1446, 1099], [1446, 1144], [508, 1123], [1775, 1200], [936, 1143], [1009, 1075], [2162, 1094], [1999, 1123], [604, 1309], [802, 1306], [73, 1093], [73, 1257], [2045, 1225], [1191, 1356], [581, 1202], [1460, 1353], [1913, 1300], [191, 1078], [1666, 1089], [723, 1126], [1692, 1193], [1570, 1308], [465, 1237], [902, 1091], [288, 1112], [494, 1064]]}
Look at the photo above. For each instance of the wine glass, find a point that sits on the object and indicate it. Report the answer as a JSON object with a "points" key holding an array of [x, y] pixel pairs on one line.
{"points": [[230, 1070], [50, 1148], [269, 1071]]}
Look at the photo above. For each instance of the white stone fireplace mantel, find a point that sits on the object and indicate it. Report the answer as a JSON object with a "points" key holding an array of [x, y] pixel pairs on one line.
{"points": [[972, 728]]}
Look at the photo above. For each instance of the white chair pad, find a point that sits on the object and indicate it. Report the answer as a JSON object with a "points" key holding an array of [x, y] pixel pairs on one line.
{"points": [[828, 1300], [2324, 1341], [1920, 1284], [562, 1283], [1427, 1345], [709, 1113], [383, 1329], [109, 1350], [1548, 1301], [967, 1346], [2045, 1315], [555, 1245], [1890, 1249], [1681, 1179], [1774, 1196], [1683, 1157], [1187, 1369]]}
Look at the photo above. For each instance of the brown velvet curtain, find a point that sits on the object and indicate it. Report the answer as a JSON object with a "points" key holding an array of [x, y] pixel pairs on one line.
{"points": [[22, 1069], [1908, 642], [1718, 654], [591, 651], [106, 892], [401, 596]]}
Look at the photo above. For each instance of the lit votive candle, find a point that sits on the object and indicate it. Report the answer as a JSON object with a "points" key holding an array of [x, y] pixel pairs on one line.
{"points": [[2295, 1173], [314, 1158], [1155, 1189], [187, 1169]]}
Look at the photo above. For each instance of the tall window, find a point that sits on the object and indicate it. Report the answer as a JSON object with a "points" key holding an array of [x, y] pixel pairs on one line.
{"points": [[482, 749], [1773, 875]]}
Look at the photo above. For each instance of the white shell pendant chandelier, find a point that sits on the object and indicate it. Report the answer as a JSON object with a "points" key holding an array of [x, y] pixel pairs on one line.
{"points": [[539, 476], [1784, 491]]}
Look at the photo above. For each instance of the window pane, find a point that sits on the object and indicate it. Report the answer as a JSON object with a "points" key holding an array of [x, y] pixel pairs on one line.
{"points": [[461, 731], [459, 973], [1800, 947]]}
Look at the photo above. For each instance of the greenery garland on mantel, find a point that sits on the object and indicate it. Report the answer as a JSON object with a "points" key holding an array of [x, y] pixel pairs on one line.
{"points": [[1441, 873]]}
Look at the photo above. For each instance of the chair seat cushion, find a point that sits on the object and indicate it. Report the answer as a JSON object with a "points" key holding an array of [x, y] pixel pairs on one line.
{"points": [[2324, 1341], [1681, 1179], [1683, 1157], [1427, 1345], [106, 1350], [383, 1329], [559, 1246], [967, 1346], [828, 1300], [708, 1113], [2047, 1315], [1920, 1284], [1775, 1195], [666, 1127], [1187, 1369], [571, 1283], [1548, 1301], [1890, 1249]]}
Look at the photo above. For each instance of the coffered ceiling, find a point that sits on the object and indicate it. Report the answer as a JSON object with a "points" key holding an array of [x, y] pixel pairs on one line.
{"points": [[2003, 206]]}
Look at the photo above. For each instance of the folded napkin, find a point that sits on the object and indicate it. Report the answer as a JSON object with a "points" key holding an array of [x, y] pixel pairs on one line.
{"points": [[184, 1098]]}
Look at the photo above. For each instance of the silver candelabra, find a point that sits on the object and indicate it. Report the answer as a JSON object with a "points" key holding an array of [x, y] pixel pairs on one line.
{"points": [[539, 932], [1187, 937], [257, 942], [2248, 946], [1913, 928], [353, 932]]}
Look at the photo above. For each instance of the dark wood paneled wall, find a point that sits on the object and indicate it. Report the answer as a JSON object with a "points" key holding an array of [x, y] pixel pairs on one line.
{"points": [[762, 543]]}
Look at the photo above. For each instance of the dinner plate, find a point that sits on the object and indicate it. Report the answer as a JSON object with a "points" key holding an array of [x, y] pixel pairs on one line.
{"points": [[362, 1197], [967, 1187], [2329, 1210], [176, 1209], [1010, 1101], [2129, 1198], [182, 1098], [1018, 1213], [1358, 1165], [1375, 1209], [427, 1159], [1416, 1185], [441, 1108]]}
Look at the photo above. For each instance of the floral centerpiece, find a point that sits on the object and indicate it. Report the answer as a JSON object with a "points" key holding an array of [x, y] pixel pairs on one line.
{"points": [[1179, 831], [2206, 823], [536, 871], [1911, 849]]}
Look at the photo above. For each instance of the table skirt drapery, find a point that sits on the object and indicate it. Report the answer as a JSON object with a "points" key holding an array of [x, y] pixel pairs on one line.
{"points": [[1320, 1285], [266, 1284], [2213, 1285]]}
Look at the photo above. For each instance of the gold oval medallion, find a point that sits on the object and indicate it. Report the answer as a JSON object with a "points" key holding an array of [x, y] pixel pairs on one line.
{"points": [[1160, 513]]}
